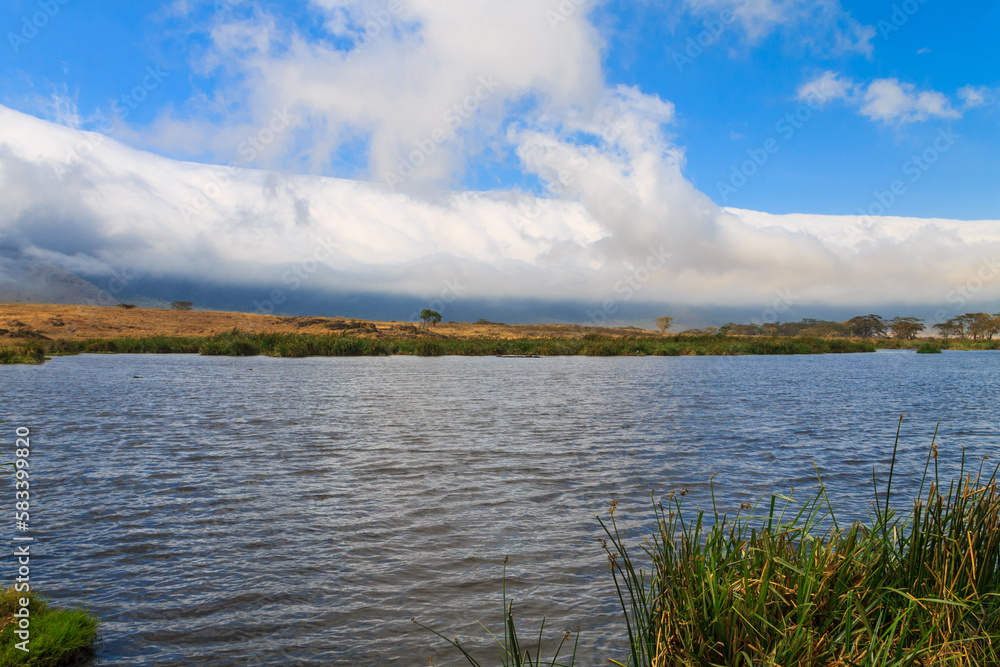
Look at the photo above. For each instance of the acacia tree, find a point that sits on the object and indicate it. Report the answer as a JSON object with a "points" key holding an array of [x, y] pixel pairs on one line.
{"points": [[971, 325], [430, 316], [867, 326], [905, 328], [664, 323], [952, 327], [981, 325]]}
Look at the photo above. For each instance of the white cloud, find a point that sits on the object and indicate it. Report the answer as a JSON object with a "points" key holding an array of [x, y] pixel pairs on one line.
{"points": [[62, 109], [383, 78], [977, 96], [821, 24], [886, 100], [618, 196], [614, 178], [403, 78], [827, 87], [891, 100]]}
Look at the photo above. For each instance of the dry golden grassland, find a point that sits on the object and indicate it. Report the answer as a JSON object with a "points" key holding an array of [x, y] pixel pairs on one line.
{"points": [[21, 322]]}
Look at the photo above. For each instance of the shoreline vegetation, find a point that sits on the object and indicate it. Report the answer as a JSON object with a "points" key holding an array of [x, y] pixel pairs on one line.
{"points": [[781, 582], [31, 333], [282, 345], [58, 636]]}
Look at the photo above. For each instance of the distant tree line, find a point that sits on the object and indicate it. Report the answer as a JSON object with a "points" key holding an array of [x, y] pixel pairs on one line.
{"points": [[975, 326]]}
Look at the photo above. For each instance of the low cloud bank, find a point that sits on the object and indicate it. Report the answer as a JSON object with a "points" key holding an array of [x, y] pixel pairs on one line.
{"points": [[618, 226]]}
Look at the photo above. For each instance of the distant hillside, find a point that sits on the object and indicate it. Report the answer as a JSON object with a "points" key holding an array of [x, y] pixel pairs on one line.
{"points": [[26, 282]]}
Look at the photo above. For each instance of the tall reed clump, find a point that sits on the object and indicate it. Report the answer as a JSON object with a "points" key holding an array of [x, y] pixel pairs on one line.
{"points": [[789, 586], [782, 583]]}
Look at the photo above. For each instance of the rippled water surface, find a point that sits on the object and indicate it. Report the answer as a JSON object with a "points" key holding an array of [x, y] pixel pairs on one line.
{"points": [[219, 511]]}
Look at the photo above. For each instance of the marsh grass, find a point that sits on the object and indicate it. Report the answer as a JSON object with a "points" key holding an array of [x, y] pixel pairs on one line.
{"points": [[58, 636], [782, 582], [296, 345], [31, 353], [786, 584]]}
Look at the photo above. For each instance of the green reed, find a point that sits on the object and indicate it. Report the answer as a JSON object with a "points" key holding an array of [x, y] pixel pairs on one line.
{"points": [[785, 584]]}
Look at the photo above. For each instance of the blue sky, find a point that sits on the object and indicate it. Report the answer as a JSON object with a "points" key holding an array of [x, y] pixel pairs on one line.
{"points": [[594, 131], [729, 97]]}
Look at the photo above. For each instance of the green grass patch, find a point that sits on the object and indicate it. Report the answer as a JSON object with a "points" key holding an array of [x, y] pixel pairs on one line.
{"points": [[57, 636]]}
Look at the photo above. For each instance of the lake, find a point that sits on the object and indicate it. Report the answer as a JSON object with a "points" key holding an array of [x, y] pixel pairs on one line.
{"points": [[257, 511]]}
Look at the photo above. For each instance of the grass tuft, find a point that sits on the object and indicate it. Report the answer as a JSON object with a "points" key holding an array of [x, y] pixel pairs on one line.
{"points": [[58, 636]]}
